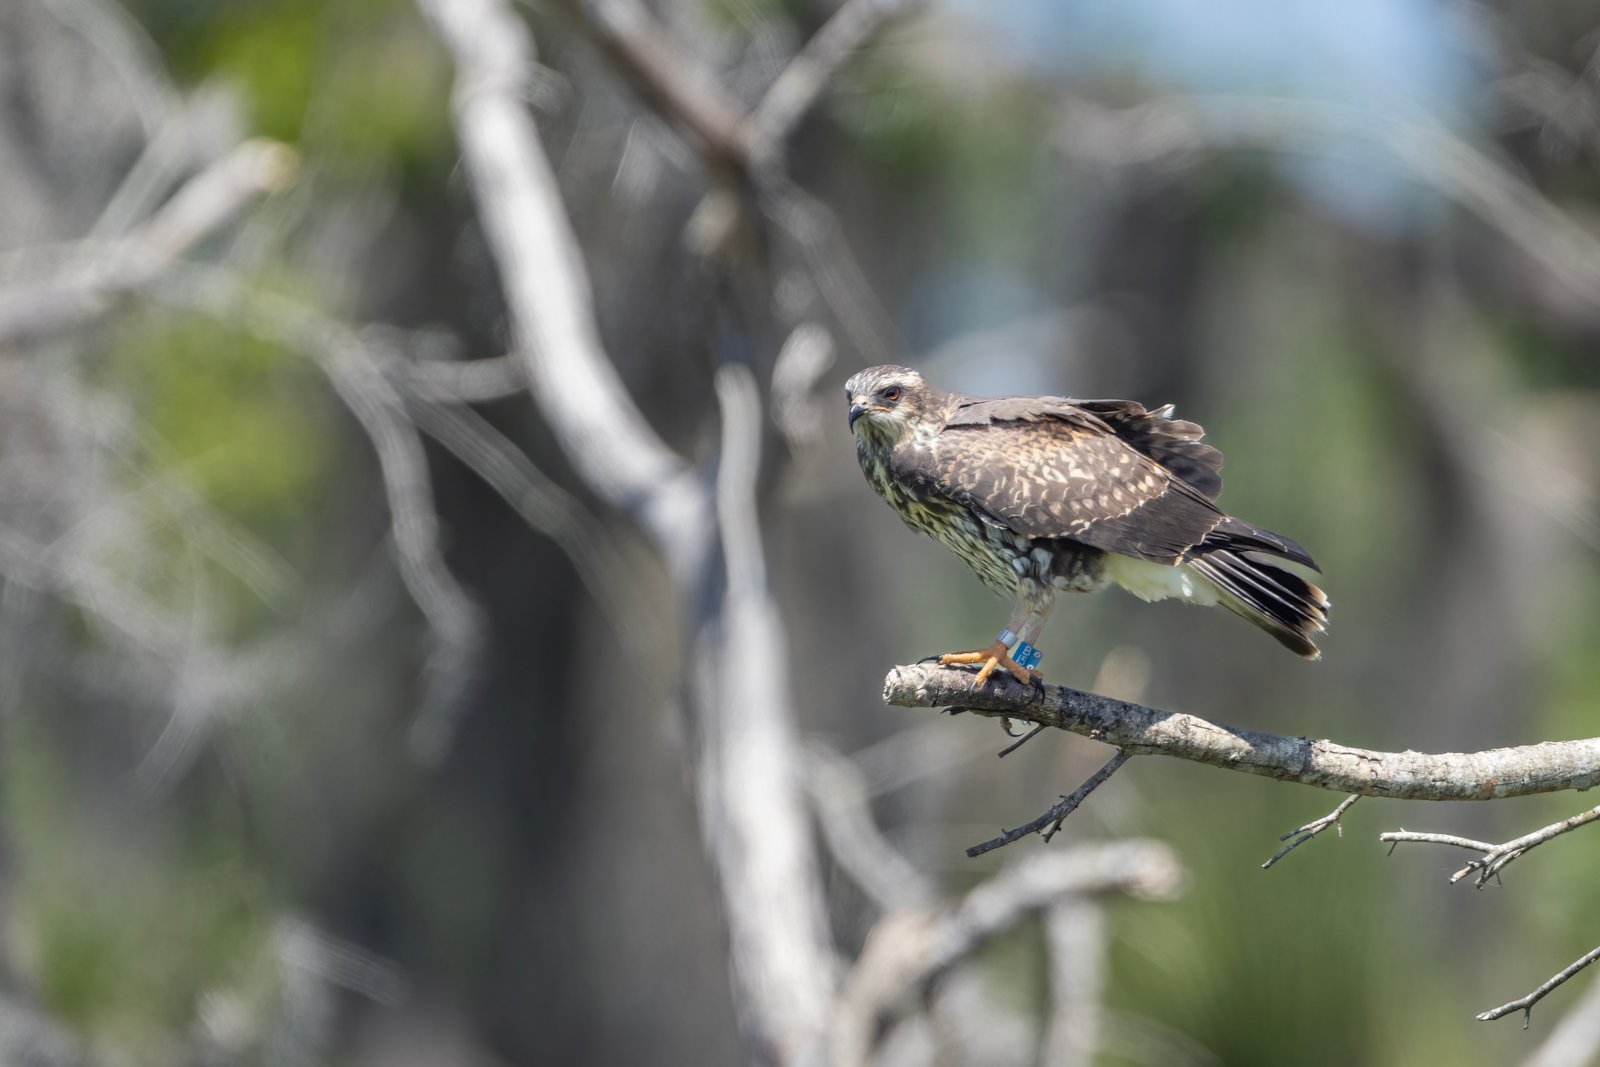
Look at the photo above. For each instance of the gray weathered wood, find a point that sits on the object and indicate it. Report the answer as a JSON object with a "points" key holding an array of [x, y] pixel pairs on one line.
{"points": [[1548, 767]]}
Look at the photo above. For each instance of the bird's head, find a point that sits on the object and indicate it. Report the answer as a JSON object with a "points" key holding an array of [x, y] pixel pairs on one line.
{"points": [[885, 402]]}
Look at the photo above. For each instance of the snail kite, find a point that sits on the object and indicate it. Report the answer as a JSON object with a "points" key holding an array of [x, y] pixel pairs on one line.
{"points": [[1042, 494]]}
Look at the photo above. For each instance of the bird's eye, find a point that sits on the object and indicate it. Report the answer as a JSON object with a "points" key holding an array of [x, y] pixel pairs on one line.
{"points": [[891, 394]]}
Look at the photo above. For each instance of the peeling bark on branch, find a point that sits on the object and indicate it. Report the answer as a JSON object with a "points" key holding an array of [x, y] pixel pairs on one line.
{"points": [[1548, 767]]}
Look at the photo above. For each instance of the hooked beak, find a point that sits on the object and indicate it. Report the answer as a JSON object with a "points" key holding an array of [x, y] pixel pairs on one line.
{"points": [[856, 411]]}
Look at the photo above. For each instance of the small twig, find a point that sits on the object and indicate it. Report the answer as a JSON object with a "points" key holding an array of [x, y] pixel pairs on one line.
{"points": [[1311, 829], [1411, 837], [1057, 814], [1495, 857], [206, 203], [1019, 742], [452, 613], [802, 82], [1482, 183], [674, 84], [547, 508], [1575, 1036], [844, 814], [1525, 1004], [469, 381], [1493, 861]]}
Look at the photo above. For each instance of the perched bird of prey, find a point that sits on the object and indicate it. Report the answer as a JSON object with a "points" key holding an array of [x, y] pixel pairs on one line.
{"points": [[1040, 495]]}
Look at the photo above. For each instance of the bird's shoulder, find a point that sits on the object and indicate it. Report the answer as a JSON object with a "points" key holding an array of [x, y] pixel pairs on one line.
{"points": [[1172, 443], [1053, 467]]}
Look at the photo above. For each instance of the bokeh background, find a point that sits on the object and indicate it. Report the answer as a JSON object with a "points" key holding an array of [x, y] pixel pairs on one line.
{"points": [[268, 796]]}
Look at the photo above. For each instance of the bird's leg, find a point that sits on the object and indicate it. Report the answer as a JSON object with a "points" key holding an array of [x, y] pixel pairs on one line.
{"points": [[1018, 635]]}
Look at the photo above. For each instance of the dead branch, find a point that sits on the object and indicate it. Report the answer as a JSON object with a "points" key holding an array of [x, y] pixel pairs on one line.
{"points": [[802, 82], [761, 849], [91, 288], [674, 85], [453, 615], [1561, 247], [1495, 857], [1548, 767], [1305, 833], [546, 284], [1525, 1004], [748, 779], [1575, 1038], [735, 144], [839, 797], [1075, 933], [546, 507], [1393, 836], [1057, 813], [804, 358], [909, 949], [470, 381]]}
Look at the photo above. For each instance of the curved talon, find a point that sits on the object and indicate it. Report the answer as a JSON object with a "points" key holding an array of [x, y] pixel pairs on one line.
{"points": [[996, 655]]}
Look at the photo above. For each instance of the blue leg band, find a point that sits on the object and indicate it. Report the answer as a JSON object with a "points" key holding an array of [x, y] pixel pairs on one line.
{"points": [[1026, 656]]}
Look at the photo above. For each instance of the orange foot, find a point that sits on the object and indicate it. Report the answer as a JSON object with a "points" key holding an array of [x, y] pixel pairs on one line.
{"points": [[996, 655]]}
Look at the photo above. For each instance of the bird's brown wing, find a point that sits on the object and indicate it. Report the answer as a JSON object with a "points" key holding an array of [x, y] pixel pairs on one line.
{"points": [[1045, 467], [1174, 443]]}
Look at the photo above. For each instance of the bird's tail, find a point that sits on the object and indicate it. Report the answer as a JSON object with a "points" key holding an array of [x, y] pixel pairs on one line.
{"points": [[1285, 605]]}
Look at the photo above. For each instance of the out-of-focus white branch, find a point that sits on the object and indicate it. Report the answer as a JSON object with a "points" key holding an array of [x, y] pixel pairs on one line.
{"points": [[453, 615], [1565, 251], [1075, 934], [361, 365], [805, 357], [546, 284], [910, 948], [126, 49], [839, 796], [199, 208], [471, 381], [750, 780], [807, 75]]}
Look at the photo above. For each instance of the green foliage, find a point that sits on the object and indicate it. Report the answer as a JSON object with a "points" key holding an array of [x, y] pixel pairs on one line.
{"points": [[387, 99], [1305, 956], [1240, 195], [750, 15], [246, 424], [126, 930], [1540, 359], [360, 84], [903, 126]]}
